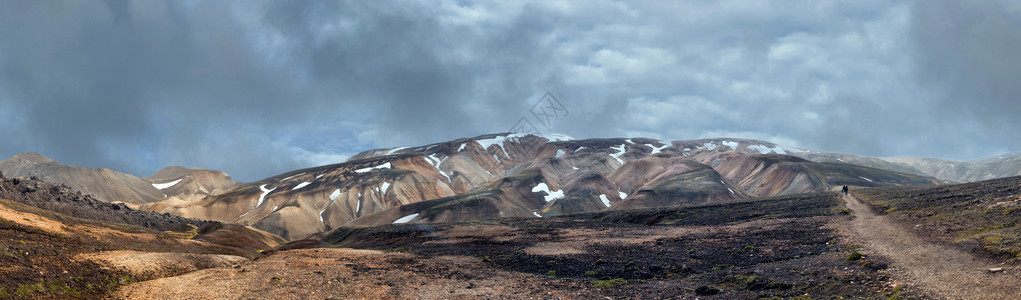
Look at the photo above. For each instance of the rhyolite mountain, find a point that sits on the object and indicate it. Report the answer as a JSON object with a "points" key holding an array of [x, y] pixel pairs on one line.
{"points": [[524, 175], [171, 183]]}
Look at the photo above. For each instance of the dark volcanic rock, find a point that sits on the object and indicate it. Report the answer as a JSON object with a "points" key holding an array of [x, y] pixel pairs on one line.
{"points": [[62, 199]]}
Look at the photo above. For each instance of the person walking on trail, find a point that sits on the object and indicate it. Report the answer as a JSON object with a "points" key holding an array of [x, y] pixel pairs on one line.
{"points": [[844, 190]]}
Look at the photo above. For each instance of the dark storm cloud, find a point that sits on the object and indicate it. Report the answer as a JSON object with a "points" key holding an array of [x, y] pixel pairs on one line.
{"points": [[119, 84], [967, 52], [259, 88]]}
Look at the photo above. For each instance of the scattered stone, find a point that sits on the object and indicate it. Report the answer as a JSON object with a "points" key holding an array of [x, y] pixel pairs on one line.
{"points": [[995, 270], [706, 291]]}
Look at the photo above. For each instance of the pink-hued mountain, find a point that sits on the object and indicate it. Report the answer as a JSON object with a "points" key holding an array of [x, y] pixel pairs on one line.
{"points": [[522, 175]]}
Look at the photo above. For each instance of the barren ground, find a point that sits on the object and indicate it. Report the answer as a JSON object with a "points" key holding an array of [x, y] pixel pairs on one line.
{"points": [[738, 251], [940, 271]]}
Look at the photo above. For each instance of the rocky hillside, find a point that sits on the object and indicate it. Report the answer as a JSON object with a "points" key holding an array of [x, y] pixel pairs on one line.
{"points": [[57, 243], [520, 175], [181, 185], [172, 183]]}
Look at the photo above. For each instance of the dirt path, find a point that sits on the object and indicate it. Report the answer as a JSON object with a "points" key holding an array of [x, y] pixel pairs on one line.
{"points": [[941, 271]]}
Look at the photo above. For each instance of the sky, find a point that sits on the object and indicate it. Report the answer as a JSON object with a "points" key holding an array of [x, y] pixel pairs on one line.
{"points": [[257, 88]]}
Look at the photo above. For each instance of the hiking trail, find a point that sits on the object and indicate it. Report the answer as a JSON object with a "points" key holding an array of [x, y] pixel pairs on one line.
{"points": [[943, 272]]}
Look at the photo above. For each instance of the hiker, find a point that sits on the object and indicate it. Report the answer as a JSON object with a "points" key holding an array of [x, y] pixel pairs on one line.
{"points": [[844, 190]]}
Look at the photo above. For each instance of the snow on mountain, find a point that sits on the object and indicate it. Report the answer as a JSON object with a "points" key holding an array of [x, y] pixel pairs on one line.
{"points": [[161, 186]]}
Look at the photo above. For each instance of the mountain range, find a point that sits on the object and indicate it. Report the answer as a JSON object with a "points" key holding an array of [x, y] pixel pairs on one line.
{"points": [[504, 175]]}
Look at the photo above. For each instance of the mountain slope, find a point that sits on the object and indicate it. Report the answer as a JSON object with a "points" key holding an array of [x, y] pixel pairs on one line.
{"points": [[111, 186], [999, 166], [105, 184], [59, 243], [522, 175]]}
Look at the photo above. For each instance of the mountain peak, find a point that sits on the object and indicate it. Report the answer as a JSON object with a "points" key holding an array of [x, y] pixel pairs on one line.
{"points": [[172, 172], [32, 157]]}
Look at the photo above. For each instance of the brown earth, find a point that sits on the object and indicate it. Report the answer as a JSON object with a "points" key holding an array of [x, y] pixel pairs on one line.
{"points": [[155, 265], [777, 247], [938, 270], [46, 255]]}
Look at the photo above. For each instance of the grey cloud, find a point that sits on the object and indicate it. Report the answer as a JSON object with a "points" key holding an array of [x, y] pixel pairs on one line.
{"points": [[968, 53], [259, 88]]}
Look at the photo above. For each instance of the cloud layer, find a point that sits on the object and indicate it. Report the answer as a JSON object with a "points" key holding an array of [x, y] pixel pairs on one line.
{"points": [[259, 88]]}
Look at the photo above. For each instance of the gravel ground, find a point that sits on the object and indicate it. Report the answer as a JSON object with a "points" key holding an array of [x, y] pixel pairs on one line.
{"points": [[940, 272]]}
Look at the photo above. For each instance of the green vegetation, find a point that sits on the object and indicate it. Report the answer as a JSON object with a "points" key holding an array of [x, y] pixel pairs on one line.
{"points": [[855, 256], [608, 283]]}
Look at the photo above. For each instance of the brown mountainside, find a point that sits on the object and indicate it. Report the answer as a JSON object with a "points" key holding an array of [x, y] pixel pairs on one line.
{"points": [[112, 186], [522, 175]]}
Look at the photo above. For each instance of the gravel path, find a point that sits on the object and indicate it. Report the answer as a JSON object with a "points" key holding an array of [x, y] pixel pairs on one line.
{"points": [[943, 272]]}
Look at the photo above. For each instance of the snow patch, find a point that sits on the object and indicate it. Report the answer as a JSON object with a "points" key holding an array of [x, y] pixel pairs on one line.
{"points": [[629, 141], [499, 140], [606, 201], [292, 176], [869, 180], [709, 146], [623, 195], [436, 161], [552, 137], [394, 150], [264, 193], [731, 144], [335, 194], [658, 149], [166, 185], [560, 153], [319, 176], [383, 166], [485, 143], [766, 150], [840, 160], [550, 195], [462, 147], [301, 185], [728, 188], [383, 188], [358, 206], [261, 198], [620, 151], [406, 219], [536, 214]]}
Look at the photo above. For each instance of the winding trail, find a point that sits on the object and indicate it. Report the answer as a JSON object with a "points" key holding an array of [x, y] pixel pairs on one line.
{"points": [[941, 271]]}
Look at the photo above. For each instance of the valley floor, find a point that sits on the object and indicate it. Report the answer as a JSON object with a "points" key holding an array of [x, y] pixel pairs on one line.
{"points": [[818, 246], [784, 247]]}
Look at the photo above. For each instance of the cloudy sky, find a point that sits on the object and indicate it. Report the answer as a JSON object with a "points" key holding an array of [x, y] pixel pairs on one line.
{"points": [[256, 88]]}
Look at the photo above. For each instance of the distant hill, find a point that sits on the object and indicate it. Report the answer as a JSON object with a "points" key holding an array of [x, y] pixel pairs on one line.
{"points": [[113, 186], [999, 166]]}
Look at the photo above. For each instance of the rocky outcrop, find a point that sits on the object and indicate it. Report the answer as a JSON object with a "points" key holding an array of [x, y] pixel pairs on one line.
{"points": [[107, 185], [173, 185]]}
